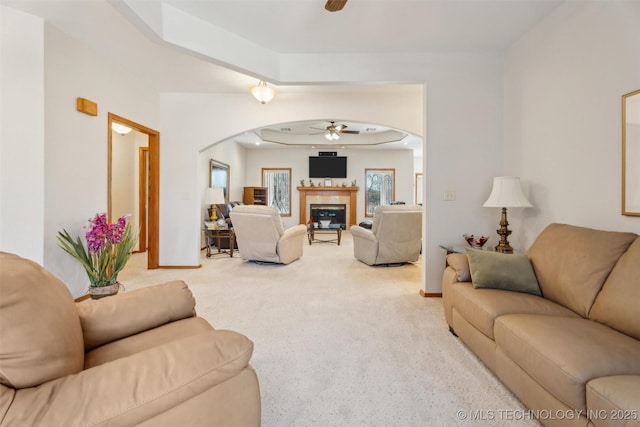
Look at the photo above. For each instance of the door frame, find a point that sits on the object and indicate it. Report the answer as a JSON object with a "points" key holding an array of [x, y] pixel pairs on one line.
{"points": [[153, 194]]}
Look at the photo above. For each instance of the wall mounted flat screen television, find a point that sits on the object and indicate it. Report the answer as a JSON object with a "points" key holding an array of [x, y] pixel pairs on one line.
{"points": [[327, 167]]}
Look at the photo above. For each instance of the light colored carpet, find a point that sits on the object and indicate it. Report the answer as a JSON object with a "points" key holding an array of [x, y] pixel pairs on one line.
{"points": [[339, 343]]}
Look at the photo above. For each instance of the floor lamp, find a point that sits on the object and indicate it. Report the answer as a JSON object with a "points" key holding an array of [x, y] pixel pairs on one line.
{"points": [[506, 193]]}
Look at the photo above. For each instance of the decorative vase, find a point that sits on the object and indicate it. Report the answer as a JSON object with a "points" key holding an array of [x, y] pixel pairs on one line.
{"points": [[98, 292]]}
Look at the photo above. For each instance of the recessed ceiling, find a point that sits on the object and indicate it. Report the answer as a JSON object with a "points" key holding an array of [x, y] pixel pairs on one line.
{"points": [[311, 135]]}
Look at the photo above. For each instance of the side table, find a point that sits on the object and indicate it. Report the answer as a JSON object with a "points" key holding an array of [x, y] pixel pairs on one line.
{"points": [[214, 232]]}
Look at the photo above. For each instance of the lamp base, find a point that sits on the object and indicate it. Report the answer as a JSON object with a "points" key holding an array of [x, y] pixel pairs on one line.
{"points": [[504, 232]]}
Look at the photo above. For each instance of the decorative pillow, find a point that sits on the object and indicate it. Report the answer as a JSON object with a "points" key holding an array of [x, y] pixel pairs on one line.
{"points": [[40, 333], [511, 272]]}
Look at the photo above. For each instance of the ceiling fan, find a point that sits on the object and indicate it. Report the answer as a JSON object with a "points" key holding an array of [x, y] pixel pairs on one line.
{"points": [[335, 5], [333, 131]]}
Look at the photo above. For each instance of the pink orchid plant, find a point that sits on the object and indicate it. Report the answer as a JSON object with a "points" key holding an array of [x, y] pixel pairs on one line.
{"points": [[109, 247]]}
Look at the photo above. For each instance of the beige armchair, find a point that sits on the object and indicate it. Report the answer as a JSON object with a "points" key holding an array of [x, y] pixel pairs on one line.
{"points": [[262, 237], [138, 358], [395, 236]]}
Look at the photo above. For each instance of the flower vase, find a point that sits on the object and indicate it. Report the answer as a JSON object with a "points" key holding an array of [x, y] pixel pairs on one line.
{"points": [[97, 292]]}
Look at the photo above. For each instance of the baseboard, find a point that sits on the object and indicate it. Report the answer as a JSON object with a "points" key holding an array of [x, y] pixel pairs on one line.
{"points": [[430, 294], [178, 267]]}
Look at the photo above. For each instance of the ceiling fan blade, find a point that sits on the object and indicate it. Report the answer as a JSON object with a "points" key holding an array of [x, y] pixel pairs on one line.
{"points": [[354, 132], [335, 5]]}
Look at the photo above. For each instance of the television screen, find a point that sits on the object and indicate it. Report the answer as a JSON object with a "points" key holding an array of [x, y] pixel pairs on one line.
{"points": [[327, 167]]}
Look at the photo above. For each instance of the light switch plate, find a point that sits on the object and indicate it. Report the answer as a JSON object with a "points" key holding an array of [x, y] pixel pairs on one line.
{"points": [[449, 195]]}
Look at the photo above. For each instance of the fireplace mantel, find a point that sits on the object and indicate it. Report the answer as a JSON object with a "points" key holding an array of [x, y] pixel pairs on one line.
{"points": [[329, 195]]}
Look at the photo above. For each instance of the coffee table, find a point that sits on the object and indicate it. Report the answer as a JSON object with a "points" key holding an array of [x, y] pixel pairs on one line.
{"points": [[320, 229]]}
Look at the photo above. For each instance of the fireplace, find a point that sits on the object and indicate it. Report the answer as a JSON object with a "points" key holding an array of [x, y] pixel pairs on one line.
{"points": [[346, 196], [336, 213]]}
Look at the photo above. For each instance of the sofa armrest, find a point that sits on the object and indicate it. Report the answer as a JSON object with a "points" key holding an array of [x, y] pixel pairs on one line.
{"points": [[119, 316], [460, 264], [132, 389]]}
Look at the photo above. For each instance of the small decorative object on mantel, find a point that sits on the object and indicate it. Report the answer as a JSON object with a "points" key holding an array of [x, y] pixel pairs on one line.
{"points": [[344, 184], [302, 183], [311, 184], [108, 249], [353, 183]]}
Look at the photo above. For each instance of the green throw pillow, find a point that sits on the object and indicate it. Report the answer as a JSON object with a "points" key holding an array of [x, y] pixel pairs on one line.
{"points": [[511, 272]]}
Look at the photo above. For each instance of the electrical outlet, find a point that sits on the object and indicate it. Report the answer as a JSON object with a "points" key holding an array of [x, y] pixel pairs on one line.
{"points": [[449, 195]]}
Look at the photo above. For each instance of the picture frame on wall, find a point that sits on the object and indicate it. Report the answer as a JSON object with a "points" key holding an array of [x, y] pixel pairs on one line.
{"points": [[328, 183]]}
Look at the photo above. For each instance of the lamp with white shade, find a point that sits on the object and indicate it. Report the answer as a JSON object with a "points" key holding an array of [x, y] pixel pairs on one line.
{"points": [[506, 193], [214, 196]]}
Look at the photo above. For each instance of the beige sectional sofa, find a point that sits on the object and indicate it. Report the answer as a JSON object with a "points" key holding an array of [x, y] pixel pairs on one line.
{"points": [[572, 355]]}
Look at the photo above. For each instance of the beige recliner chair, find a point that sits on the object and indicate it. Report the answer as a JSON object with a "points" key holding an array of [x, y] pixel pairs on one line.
{"points": [[139, 358], [395, 236], [262, 237]]}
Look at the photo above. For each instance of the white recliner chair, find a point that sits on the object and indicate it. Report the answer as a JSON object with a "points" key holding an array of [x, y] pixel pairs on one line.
{"points": [[395, 236], [261, 236]]}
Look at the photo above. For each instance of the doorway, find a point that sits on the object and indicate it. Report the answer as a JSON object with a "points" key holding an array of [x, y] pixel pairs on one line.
{"points": [[141, 154]]}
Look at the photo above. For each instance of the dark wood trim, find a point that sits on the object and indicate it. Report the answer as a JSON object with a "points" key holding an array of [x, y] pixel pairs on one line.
{"points": [[430, 294]]}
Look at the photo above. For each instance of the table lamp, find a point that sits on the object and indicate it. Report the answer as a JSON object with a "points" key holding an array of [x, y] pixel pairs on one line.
{"points": [[506, 193], [214, 196]]}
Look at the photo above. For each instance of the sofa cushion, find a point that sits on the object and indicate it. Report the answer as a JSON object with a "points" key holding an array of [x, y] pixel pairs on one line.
{"points": [[40, 334], [496, 270], [572, 263], [614, 401], [110, 319], [481, 307], [145, 340], [563, 353], [617, 303]]}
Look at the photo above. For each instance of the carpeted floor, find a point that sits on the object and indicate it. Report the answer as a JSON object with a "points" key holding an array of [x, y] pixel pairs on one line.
{"points": [[339, 343]]}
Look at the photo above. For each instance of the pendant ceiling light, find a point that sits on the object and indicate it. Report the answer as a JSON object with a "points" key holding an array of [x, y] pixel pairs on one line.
{"points": [[262, 92]]}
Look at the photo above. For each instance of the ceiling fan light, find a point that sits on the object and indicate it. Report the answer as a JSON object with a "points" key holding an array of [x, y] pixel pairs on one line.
{"points": [[262, 92]]}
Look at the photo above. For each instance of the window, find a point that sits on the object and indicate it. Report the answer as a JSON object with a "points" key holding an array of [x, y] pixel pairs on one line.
{"points": [[278, 183], [418, 196], [379, 188]]}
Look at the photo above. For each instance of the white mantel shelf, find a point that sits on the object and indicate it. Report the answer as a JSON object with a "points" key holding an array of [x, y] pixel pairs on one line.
{"points": [[351, 192]]}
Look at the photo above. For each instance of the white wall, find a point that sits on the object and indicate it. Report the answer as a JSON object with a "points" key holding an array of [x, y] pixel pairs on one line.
{"points": [[564, 82], [22, 174], [460, 114], [463, 123], [195, 121], [76, 143]]}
